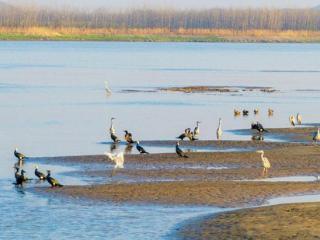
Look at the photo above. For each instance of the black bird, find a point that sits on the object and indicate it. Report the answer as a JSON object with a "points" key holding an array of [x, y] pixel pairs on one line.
{"points": [[179, 151], [16, 174], [18, 155], [53, 182], [39, 174], [140, 148], [128, 137], [185, 134], [114, 138], [20, 178], [245, 112], [258, 126]]}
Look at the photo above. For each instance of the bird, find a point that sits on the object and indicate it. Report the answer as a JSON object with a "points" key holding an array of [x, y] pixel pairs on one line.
{"points": [[196, 131], [219, 129], [140, 148], [112, 130], [19, 155], [270, 112], [16, 173], [265, 163], [191, 136], [185, 134], [20, 178], [179, 151], [52, 181], [245, 112], [118, 159], [128, 137], [39, 174], [258, 126], [106, 87], [292, 120], [299, 119], [316, 136], [256, 111], [236, 113]]}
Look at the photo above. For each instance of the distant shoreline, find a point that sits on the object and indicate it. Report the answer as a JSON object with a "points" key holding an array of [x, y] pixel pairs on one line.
{"points": [[158, 35]]}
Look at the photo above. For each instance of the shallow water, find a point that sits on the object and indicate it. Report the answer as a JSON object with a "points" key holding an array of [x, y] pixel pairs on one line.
{"points": [[52, 102]]}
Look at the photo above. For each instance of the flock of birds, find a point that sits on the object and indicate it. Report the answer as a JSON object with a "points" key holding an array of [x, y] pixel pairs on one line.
{"points": [[21, 178], [118, 158]]}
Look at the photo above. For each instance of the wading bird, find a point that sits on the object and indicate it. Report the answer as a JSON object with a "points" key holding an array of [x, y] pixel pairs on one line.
{"points": [[236, 113], [299, 119], [219, 129], [256, 111], [196, 131], [128, 137], [16, 173], [39, 174], [265, 163], [52, 181], [106, 87], [292, 120], [316, 136], [179, 151], [118, 159], [112, 131], [270, 112], [185, 134], [245, 112], [140, 148], [18, 155], [20, 178], [258, 126]]}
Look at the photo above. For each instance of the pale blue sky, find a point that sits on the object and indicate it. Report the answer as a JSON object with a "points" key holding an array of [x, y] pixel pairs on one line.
{"points": [[170, 3]]}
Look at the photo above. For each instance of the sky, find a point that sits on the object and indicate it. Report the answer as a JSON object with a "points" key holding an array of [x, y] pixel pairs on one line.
{"points": [[127, 4]]}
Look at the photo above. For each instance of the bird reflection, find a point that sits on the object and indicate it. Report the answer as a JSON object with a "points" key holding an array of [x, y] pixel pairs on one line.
{"points": [[113, 147], [257, 137], [128, 149]]}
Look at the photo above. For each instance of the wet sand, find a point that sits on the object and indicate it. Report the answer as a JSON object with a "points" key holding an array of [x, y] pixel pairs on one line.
{"points": [[287, 221], [205, 178]]}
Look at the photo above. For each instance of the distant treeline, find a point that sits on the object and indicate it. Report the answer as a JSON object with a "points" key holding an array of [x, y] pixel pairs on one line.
{"points": [[237, 19]]}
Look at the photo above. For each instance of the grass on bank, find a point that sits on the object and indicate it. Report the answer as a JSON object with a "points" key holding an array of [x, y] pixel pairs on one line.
{"points": [[157, 35]]}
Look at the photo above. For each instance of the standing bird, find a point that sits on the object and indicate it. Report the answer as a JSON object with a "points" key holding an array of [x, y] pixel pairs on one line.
{"points": [[112, 131], [106, 87], [20, 178], [236, 113], [265, 163], [53, 182], [299, 119], [270, 112], [185, 134], [245, 112], [256, 111], [179, 151], [118, 159], [196, 131], [219, 130], [292, 120], [39, 174], [258, 126], [140, 148], [128, 137], [316, 136], [18, 155], [16, 173]]}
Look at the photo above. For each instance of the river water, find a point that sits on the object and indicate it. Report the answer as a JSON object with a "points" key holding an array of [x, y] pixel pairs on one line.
{"points": [[53, 103]]}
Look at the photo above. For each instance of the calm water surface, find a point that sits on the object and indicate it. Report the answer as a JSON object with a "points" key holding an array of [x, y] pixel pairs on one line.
{"points": [[52, 102]]}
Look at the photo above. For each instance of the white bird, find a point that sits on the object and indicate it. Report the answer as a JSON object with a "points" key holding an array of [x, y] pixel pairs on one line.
{"points": [[316, 136], [118, 159], [265, 163], [196, 130], [270, 112], [299, 119], [219, 130], [112, 130], [292, 120], [106, 87]]}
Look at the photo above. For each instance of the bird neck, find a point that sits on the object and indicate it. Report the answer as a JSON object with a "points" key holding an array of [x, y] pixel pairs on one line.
{"points": [[262, 155]]}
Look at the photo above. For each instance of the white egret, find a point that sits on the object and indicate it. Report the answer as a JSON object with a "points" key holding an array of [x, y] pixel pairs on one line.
{"points": [[316, 136], [106, 87], [292, 120], [265, 163], [118, 159], [299, 119], [219, 129]]}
